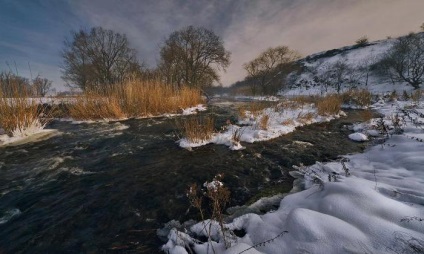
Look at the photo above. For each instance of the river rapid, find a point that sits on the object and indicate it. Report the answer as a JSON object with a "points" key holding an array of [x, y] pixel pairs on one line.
{"points": [[107, 187]]}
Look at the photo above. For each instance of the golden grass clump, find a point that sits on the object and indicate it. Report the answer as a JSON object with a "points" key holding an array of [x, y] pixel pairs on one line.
{"points": [[264, 122], [305, 118], [18, 112], [360, 97], [416, 95], [197, 128], [134, 98], [288, 122], [329, 105], [299, 102], [366, 115]]}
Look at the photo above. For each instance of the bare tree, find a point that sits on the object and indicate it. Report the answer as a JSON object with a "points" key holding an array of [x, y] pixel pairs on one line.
{"points": [[265, 71], [41, 86], [97, 59], [193, 56], [404, 62]]}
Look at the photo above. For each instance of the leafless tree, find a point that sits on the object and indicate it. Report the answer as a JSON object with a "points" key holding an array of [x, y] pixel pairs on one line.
{"points": [[97, 59], [193, 56], [404, 62], [266, 71], [41, 86]]}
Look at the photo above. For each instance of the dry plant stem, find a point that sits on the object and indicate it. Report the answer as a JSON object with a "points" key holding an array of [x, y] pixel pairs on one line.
{"points": [[18, 111], [197, 128], [329, 105]]}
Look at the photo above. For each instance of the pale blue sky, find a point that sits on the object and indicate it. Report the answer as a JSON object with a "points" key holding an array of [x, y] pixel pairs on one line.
{"points": [[33, 31]]}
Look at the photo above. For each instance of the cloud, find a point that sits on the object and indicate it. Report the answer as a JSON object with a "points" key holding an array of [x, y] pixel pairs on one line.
{"points": [[249, 27], [35, 29]]}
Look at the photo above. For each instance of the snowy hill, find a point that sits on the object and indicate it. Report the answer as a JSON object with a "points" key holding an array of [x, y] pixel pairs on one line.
{"points": [[352, 66]]}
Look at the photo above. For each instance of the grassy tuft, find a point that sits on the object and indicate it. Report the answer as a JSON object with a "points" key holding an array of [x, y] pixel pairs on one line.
{"points": [[19, 113], [264, 122], [360, 97], [329, 105], [197, 129]]}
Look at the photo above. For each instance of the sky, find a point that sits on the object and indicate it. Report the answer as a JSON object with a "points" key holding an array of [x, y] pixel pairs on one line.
{"points": [[32, 31]]}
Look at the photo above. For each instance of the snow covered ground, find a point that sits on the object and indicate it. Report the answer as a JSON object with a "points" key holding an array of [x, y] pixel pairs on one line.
{"points": [[32, 133], [319, 70], [366, 203], [252, 127]]}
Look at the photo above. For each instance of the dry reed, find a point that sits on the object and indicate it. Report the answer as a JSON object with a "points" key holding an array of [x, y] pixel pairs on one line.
{"points": [[360, 97], [18, 112], [197, 129], [134, 98], [329, 105], [264, 122]]}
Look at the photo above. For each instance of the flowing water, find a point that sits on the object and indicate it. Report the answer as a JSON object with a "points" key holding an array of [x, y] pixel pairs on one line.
{"points": [[107, 187]]}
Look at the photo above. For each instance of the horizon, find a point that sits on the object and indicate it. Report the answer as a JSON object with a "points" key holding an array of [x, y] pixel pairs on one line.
{"points": [[34, 31]]}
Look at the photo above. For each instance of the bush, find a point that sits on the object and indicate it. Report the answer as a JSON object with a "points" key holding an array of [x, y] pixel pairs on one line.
{"points": [[360, 97], [329, 105], [362, 41]]}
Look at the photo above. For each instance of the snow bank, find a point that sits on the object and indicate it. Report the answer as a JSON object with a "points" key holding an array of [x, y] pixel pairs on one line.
{"points": [[368, 203], [357, 136], [280, 122], [33, 133]]}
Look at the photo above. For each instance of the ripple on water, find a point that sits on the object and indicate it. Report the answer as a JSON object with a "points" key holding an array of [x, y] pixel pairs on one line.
{"points": [[5, 216]]}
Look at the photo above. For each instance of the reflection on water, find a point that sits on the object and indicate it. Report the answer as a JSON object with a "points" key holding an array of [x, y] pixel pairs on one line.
{"points": [[107, 187]]}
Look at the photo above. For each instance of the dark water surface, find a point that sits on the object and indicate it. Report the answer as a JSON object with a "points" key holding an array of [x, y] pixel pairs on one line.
{"points": [[100, 188]]}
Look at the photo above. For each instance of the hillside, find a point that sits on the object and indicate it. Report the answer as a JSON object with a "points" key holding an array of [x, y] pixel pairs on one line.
{"points": [[356, 65]]}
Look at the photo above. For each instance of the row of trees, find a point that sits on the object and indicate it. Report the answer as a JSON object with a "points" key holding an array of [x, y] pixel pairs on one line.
{"points": [[193, 56], [100, 58], [13, 85]]}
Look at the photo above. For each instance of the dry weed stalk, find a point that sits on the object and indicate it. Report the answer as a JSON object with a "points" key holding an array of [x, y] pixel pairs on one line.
{"points": [[329, 105], [305, 118], [359, 97], [366, 115], [197, 129], [19, 113], [264, 122], [416, 96]]}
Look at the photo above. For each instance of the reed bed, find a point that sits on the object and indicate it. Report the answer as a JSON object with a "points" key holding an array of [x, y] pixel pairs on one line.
{"points": [[134, 98], [19, 113]]}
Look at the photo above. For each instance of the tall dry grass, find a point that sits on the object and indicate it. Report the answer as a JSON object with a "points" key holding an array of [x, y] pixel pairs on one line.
{"points": [[19, 113], [360, 97], [134, 98], [197, 129], [329, 105]]}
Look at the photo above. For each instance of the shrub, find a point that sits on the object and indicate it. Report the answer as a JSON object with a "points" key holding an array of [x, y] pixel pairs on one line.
{"points": [[416, 95], [360, 97], [362, 41], [197, 129], [366, 115], [329, 105]]}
